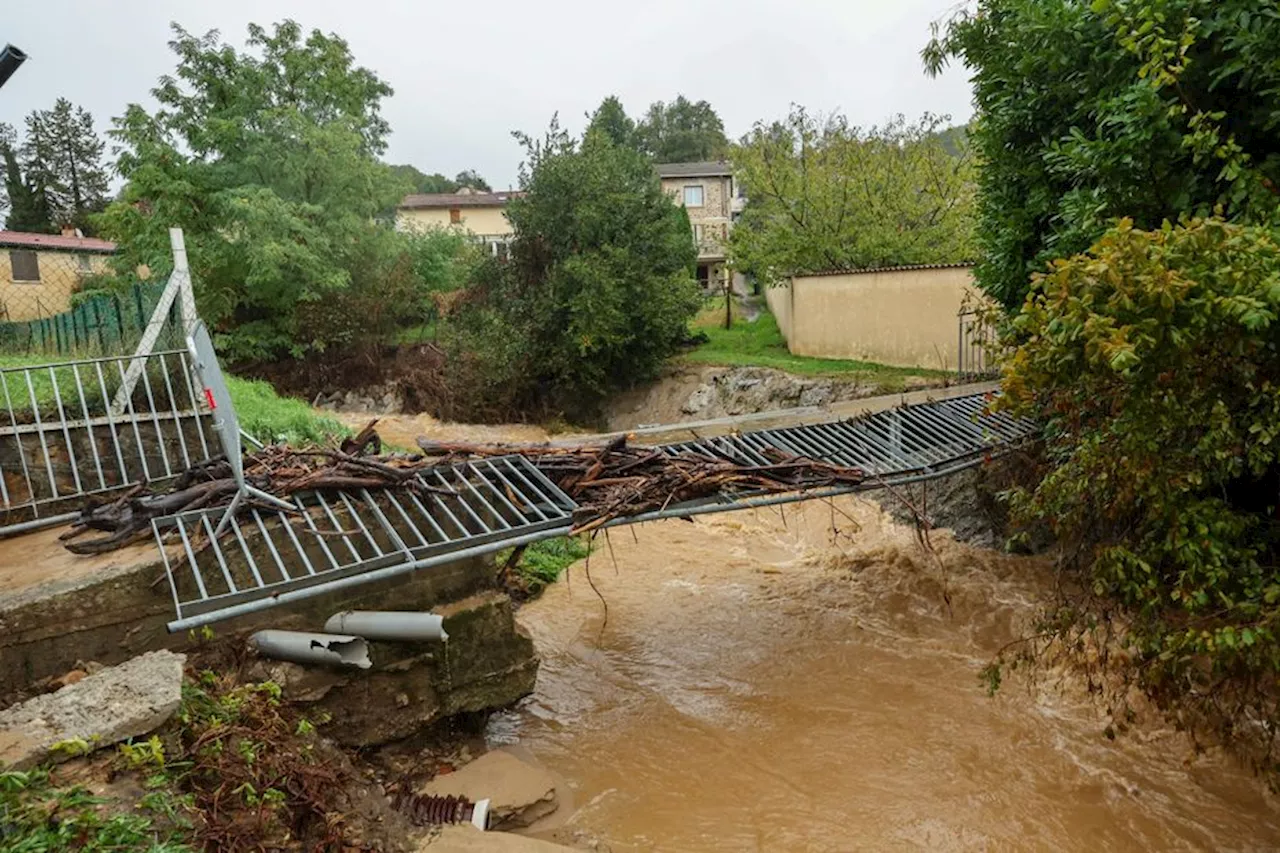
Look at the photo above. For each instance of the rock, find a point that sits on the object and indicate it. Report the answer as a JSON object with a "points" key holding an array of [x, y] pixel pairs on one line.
{"points": [[698, 400], [816, 395], [519, 794], [101, 709]]}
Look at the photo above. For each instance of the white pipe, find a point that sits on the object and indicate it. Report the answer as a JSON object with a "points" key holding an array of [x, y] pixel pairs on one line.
{"points": [[301, 647], [480, 815], [407, 625]]}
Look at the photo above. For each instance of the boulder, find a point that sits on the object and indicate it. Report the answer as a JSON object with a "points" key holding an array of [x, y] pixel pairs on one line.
{"points": [[98, 710], [519, 793]]}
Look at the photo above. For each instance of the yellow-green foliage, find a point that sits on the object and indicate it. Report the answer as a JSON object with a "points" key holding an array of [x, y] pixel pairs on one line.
{"points": [[1153, 363]]}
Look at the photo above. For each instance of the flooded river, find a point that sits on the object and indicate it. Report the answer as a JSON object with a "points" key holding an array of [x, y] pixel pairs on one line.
{"points": [[763, 684]]}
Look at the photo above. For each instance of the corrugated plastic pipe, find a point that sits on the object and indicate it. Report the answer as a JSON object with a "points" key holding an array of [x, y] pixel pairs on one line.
{"points": [[404, 625], [301, 647]]}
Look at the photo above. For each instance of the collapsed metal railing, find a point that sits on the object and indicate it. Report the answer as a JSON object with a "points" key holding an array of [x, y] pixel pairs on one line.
{"points": [[269, 557], [337, 540]]}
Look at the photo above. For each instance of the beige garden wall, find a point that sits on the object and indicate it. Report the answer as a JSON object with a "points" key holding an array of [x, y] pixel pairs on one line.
{"points": [[900, 317]]}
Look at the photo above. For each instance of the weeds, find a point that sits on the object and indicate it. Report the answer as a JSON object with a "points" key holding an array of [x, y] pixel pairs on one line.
{"points": [[37, 816]]}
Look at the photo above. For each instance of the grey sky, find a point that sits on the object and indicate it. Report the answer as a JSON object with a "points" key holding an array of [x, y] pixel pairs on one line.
{"points": [[466, 74]]}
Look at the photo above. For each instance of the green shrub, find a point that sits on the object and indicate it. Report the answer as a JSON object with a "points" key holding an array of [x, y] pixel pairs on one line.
{"points": [[1153, 362]]}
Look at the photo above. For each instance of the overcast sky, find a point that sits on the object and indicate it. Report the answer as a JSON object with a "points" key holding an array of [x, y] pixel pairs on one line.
{"points": [[466, 74]]}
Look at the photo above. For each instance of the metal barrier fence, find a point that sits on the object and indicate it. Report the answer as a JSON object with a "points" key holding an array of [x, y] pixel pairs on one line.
{"points": [[77, 430], [269, 557], [976, 342]]}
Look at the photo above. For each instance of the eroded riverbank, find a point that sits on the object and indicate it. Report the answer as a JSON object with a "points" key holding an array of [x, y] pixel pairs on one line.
{"points": [[763, 684]]}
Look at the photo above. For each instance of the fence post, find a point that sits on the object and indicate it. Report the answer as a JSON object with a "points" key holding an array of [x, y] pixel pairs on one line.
{"points": [[179, 283]]}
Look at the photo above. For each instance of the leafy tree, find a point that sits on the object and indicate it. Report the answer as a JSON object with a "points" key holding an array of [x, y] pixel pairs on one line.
{"points": [[682, 131], [598, 290], [63, 154], [611, 119], [1093, 111], [27, 206], [420, 182], [471, 178], [1152, 363], [825, 195], [268, 159]]}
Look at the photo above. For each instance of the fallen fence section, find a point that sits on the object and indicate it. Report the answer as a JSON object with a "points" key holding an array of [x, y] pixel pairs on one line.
{"points": [[62, 441], [342, 539], [332, 541]]}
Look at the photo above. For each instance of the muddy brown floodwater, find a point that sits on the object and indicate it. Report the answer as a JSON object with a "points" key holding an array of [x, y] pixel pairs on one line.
{"points": [[769, 686]]}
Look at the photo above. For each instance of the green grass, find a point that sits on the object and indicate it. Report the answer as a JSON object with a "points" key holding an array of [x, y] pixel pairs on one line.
{"points": [[544, 561], [420, 334], [267, 416], [760, 344]]}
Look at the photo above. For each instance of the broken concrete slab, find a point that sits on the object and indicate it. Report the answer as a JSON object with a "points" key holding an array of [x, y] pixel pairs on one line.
{"points": [[99, 710], [519, 793]]}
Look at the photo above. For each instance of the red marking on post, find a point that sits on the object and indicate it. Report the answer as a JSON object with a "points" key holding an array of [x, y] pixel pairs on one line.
{"points": [[208, 396]]}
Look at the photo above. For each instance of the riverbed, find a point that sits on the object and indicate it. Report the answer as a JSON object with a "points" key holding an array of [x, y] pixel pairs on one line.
{"points": [[779, 680]]}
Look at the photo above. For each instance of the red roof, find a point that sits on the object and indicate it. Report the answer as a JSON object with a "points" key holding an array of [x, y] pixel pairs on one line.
{"points": [[55, 242]]}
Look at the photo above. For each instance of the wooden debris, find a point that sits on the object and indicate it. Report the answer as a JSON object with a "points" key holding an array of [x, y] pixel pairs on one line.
{"points": [[616, 480], [608, 482]]}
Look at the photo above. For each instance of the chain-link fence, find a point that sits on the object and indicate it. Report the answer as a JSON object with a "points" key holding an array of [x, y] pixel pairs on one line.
{"points": [[66, 303]]}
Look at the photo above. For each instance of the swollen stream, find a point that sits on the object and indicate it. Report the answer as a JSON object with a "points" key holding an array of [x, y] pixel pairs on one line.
{"points": [[769, 685]]}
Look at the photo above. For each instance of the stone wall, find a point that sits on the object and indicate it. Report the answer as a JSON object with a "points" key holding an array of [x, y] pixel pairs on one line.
{"points": [[121, 610]]}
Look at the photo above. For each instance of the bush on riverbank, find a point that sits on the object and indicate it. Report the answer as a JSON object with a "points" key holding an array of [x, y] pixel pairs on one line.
{"points": [[1154, 363]]}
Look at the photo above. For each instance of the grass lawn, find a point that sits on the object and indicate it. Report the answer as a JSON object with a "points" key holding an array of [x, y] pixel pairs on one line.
{"points": [[760, 344], [262, 412]]}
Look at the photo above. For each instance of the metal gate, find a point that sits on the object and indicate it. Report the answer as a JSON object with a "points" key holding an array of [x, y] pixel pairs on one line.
{"points": [[85, 429]]}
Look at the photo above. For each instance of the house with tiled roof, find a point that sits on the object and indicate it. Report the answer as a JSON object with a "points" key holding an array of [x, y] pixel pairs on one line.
{"points": [[40, 272]]}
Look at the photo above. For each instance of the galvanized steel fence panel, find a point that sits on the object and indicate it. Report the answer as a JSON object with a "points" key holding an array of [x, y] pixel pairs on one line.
{"points": [[77, 430], [269, 556]]}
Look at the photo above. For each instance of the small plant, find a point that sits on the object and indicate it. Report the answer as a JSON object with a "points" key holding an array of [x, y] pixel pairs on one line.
{"points": [[149, 753]]}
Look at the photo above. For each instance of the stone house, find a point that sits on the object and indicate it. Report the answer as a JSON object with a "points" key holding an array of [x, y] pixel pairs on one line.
{"points": [[40, 272], [483, 214], [713, 201]]}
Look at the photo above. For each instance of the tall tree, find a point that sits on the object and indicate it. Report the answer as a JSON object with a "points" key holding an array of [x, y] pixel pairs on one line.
{"points": [[268, 159], [63, 154], [826, 195], [612, 120], [27, 206], [1094, 111], [471, 178], [682, 131]]}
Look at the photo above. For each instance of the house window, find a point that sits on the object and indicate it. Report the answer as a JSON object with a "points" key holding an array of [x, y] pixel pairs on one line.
{"points": [[704, 275], [25, 265], [693, 196], [699, 231], [83, 266], [455, 215]]}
